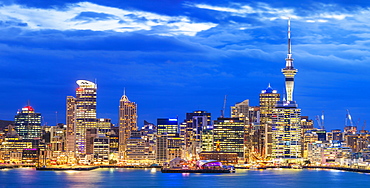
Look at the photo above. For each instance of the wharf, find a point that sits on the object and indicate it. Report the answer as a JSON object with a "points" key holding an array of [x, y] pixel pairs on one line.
{"points": [[317, 167], [78, 168], [6, 167], [166, 170], [16, 166], [119, 166], [339, 168]]}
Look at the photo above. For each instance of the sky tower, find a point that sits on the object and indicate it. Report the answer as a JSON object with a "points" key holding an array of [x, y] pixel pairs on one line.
{"points": [[289, 71]]}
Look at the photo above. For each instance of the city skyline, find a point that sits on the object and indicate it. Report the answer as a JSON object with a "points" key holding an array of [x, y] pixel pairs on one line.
{"points": [[184, 58]]}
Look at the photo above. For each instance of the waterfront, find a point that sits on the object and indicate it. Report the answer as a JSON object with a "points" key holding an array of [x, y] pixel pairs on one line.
{"points": [[29, 177]]}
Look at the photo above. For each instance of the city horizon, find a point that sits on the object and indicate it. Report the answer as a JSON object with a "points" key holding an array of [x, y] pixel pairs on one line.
{"points": [[183, 59]]}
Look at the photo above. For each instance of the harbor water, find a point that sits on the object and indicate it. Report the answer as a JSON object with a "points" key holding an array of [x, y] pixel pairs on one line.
{"points": [[297, 178]]}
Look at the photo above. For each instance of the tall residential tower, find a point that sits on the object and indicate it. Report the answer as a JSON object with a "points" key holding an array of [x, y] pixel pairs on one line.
{"points": [[268, 99], [28, 123], [127, 123], [81, 115]]}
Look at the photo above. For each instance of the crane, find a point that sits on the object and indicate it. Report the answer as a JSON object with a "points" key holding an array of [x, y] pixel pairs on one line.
{"points": [[349, 118], [223, 108], [322, 120], [319, 122], [363, 127]]}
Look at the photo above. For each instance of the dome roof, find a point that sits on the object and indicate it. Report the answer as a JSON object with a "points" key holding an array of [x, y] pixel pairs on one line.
{"points": [[124, 98], [269, 89]]}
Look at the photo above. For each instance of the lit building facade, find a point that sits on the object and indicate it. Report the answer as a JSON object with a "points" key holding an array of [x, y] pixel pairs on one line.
{"points": [[136, 149], [167, 126], [81, 115], [28, 123], [101, 150], [228, 135], [267, 100], [148, 133], [240, 110], [286, 131], [207, 140], [169, 146], [196, 123], [11, 149], [70, 123], [103, 125], [85, 112], [127, 123]]}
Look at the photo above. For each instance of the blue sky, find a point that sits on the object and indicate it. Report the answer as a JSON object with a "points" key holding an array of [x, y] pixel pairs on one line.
{"points": [[175, 57]]}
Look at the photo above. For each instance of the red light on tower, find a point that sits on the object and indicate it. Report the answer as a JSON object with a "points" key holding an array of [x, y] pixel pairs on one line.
{"points": [[79, 89], [28, 108]]}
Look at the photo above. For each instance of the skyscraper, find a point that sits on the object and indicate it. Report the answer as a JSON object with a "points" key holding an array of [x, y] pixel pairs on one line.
{"points": [[167, 126], [28, 123], [70, 122], [241, 110], [286, 117], [228, 135], [196, 123], [127, 122], [81, 115], [268, 99], [286, 131]]}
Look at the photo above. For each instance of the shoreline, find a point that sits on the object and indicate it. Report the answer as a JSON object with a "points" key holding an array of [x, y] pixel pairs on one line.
{"points": [[85, 168]]}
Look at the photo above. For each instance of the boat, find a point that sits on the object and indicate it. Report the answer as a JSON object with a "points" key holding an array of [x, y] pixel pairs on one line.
{"points": [[60, 168], [202, 166], [296, 166], [169, 170], [257, 167]]}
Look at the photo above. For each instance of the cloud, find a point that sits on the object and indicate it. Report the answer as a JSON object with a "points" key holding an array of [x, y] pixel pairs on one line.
{"points": [[90, 16]]}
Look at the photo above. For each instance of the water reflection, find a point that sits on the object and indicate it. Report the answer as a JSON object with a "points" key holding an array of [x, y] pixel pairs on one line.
{"points": [[27, 175], [287, 178], [84, 177], [153, 170]]}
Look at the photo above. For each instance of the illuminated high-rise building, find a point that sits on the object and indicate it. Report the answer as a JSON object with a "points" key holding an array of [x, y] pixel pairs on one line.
{"points": [[28, 123], [196, 123], [167, 126], [228, 135], [70, 122], [286, 117], [241, 110], [268, 99], [127, 123], [286, 131], [81, 115], [207, 140]]}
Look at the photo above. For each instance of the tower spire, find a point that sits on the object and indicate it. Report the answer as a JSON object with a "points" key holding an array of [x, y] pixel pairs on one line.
{"points": [[124, 97], [289, 42], [289, 59], [289, 71]]}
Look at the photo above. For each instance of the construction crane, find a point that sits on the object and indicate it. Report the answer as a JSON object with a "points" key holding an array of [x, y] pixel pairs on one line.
{"points": [[363, 127], [348, 118], [319, 122], [223, 108], [322, 120]]}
